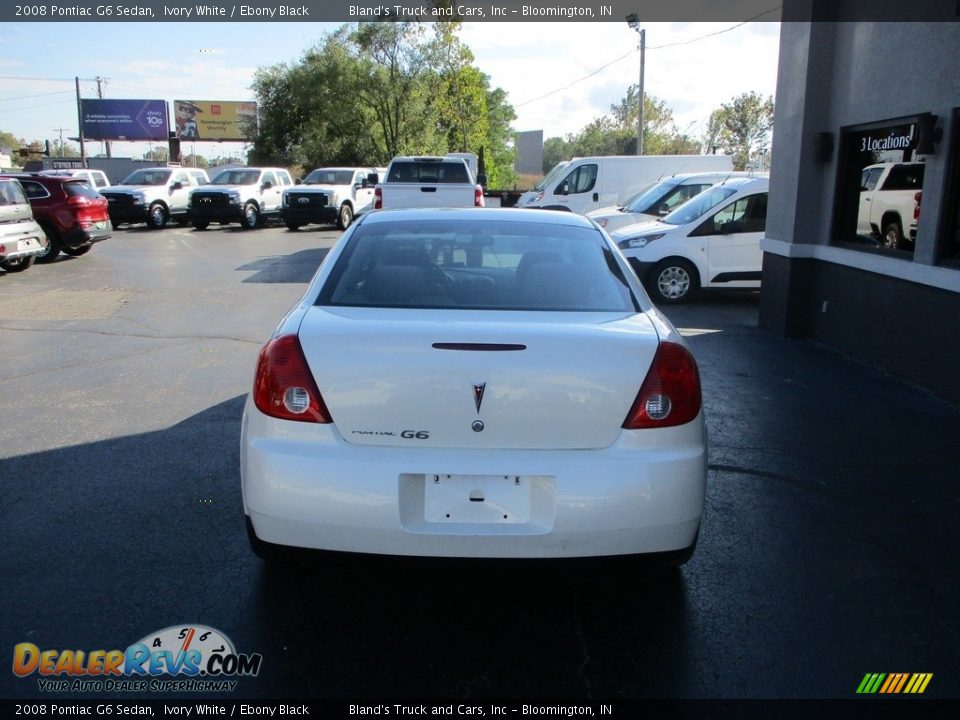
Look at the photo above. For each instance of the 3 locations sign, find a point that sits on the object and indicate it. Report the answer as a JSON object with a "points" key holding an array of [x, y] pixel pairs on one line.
{"points": [[124, 119]]}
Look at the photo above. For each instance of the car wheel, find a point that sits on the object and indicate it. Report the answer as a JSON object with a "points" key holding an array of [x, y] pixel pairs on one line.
{"points": [[78, 251], [892, 236], [157, 216], [673, 281], [53, 246], [291, 225], [200, 225], [18, 264], [251, 216], [344, 217]]}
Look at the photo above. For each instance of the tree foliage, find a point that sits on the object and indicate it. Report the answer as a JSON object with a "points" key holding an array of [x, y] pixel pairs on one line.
{"points": [[740, 126], [370, 91], [616, 133]]}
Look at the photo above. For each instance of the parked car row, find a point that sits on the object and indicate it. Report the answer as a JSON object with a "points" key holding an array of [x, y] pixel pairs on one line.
{"points": [[44, 215]]}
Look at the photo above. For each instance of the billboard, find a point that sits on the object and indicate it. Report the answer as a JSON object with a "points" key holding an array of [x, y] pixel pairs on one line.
{"points": [[215, 120], [124, 120]]}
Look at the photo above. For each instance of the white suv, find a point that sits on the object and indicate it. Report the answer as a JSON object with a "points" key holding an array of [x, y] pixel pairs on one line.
{"points": [[711, 241]]}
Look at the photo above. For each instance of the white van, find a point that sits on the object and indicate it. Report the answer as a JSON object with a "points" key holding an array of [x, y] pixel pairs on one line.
{"points": [[660, 199], [711, 241], [592, 182]]}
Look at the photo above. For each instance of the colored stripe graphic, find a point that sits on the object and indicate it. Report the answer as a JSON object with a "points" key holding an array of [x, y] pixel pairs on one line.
{"points": [[894, 683]]}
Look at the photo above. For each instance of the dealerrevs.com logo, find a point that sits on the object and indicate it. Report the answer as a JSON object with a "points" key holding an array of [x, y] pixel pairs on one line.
{"points": [[180, 658]]}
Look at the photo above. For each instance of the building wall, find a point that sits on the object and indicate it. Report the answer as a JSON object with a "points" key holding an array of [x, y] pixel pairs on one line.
{"points": [[529, 148], [895, 311]]}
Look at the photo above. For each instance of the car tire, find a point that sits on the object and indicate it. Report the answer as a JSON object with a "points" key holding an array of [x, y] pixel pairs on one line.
{"points": [[673, 281], [892, 238], [200, 225], [157, 216], [77, 251], [291, 225], [18, 264], [345, 216], [250, 217], [53, 246]]}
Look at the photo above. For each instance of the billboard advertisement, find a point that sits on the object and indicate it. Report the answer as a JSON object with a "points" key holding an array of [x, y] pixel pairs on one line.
{"points": [[124, 120], [215, 120]]}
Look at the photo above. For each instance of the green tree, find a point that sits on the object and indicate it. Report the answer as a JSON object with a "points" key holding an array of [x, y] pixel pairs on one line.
{"points": [[158, 154], [741, 126]]}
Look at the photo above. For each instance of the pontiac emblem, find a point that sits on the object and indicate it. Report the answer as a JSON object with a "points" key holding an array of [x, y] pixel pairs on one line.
{"points": [[478, 390]]}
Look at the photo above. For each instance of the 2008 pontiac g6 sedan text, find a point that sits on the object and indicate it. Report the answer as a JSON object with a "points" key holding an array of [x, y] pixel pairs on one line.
{"points": [[475, 383]]}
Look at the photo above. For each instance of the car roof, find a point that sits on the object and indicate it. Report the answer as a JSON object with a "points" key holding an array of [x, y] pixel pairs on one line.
{"points": [[543, 217]]}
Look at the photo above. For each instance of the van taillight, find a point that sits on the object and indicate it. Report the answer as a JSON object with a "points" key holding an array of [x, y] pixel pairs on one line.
{"points": [[916, 208], [284, 386], [670, 394], [378, 198]]}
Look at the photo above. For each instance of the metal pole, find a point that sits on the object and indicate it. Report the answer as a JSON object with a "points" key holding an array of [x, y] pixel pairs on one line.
{"points": [[83, 151], [643, 52]]}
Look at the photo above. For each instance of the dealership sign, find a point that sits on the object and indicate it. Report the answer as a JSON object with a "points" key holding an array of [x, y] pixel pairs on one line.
{"points": [[124, 119], [215, 119]]}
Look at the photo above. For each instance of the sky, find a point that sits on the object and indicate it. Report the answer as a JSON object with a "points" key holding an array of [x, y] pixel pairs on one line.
{"points": [[558, 75]]}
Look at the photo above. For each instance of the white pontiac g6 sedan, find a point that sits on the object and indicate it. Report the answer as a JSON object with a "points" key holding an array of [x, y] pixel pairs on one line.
{"points": [[475, 383]]}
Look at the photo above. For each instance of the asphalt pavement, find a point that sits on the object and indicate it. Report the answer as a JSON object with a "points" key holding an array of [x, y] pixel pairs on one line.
{"points": [[828, 549]]}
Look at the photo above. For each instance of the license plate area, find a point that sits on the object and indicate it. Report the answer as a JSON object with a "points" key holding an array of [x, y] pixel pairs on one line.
{"points": [[496, 499]]}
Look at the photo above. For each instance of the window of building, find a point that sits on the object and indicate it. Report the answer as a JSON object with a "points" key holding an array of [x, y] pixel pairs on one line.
{"points": [[949, 250], [880, 187]]}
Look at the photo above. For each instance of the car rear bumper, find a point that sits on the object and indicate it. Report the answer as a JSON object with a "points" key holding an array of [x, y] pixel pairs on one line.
{"points": [[304, 486], [78, 236], [22, 247]]}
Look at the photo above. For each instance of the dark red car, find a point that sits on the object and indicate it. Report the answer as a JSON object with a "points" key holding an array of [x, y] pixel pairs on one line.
{"points": [[73, 215]]}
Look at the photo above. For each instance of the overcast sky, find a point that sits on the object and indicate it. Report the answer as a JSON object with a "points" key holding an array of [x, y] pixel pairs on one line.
{"points": [[706, 64]]}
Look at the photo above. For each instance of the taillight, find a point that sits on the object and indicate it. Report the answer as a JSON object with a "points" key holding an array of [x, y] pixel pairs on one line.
{"points": [[284, 387], [916, 208], [378, 198], [478, 196], [670, 394]]}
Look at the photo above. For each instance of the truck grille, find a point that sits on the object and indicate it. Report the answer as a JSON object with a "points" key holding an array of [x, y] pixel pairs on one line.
{"points": [[118, 200], [202, 200], [306, 200]]}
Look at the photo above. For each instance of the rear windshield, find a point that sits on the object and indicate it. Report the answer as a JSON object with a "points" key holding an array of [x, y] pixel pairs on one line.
{"points": [[147, 177], [428, 171], [491, 265], [905, 177], [80, 188], [11, 193]]}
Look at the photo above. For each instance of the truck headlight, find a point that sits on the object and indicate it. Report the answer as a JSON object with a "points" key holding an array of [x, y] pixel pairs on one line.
{"points": [[139, 198], [234, 198]]}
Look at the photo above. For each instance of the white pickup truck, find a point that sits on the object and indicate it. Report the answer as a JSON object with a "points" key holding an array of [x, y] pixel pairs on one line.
{"points": [[428, 182], [888, 201], [329, 195]]}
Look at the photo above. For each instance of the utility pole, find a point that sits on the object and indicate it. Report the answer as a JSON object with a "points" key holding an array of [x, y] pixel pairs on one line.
{"points": [[83, 150], [100, 82], [633, 21], [60, 130]]}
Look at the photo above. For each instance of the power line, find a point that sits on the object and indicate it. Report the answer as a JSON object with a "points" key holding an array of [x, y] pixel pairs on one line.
{"points": [[657, 47], [28, 97]]}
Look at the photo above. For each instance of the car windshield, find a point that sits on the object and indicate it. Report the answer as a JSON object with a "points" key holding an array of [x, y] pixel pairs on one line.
{"points": [[478, 264], [329, 177], [699, 205], [549, 177], [236, 177], [147, 177], [648, 198]]}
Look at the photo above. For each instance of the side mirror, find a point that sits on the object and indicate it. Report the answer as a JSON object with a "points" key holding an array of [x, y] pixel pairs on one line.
{"points": [[373, 178], [177, 186], [365, 183], [298, 181], [267, 185]]}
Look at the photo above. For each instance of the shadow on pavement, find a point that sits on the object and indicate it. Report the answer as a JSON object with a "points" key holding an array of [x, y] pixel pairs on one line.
{"points": [[296, 267]]}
